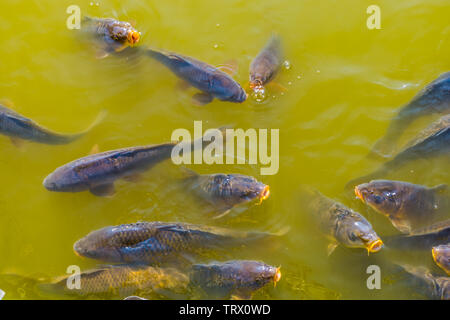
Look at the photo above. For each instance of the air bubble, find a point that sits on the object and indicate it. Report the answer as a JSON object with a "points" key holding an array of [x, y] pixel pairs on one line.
{"points": [[287, 65]]}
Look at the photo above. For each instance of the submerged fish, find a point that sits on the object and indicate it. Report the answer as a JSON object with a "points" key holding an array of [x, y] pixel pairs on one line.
{"points": [[18, 128], [436, 143], [434, 98], [441, 255], [342, 225], [422, 239], [436, 288], [224, 191], [408, 206], [212, 82], [237, 279], [159, 242], [111, 35], [265, 66], [120, 281], [98, 172]]}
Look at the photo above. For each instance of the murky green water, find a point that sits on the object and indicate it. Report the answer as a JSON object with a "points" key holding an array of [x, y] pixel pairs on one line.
{"points": [[344, 84]]}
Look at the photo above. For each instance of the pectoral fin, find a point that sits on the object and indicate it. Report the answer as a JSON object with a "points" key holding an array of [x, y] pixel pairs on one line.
{"points": [[401, 225], [101, 54], [201, 98], [103, 190], [331, 248]]}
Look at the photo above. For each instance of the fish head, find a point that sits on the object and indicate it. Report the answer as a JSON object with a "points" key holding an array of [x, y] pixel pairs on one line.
{"points": [[239, 188], [64, 179], [124, 32], [256, 273], [358, 233], [383, 196], [133, 37], [98, 245]]}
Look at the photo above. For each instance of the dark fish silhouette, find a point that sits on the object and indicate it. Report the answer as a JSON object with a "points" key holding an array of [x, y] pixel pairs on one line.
{"points": [[436, 144], [237, 279], [18, 128], [422, 281], [422, 239], [408, 206], [212, 82], [159, 242], [434, 98]]}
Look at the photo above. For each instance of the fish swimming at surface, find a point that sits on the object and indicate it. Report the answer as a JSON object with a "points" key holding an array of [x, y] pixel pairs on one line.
{"points": [[434, 98], [212, 82], [408, 206]]}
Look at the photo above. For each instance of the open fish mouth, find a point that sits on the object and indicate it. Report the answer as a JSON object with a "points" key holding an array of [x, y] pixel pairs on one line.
{"points": [[374, 246], [359, 194], [264, 194], [133, 37], [277, 276]]}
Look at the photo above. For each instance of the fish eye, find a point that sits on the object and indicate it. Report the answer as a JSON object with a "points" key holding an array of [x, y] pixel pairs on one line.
{"points": [[377, 199], [353, 236]]}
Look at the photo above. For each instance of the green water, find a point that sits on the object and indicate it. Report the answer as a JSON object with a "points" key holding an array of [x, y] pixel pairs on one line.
{"points": [[345, 82]]}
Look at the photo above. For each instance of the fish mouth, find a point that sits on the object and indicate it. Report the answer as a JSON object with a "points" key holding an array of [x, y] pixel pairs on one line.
{"points": [[264, 194], [434, 253], [277, 276], [359, 194], [133, 37], [374, 246]]}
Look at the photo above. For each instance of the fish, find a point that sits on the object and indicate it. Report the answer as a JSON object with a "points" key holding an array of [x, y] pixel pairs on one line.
{"points": [[19, 128], [110, 35], [160, 242], [119, 281], [98, 172], [211, 81], [441, 255], [408, 206], [225, 191], [422, 281], [236, 279], [340, 224], [265, 66], [435, 144], [422, 239], [434, 98]]}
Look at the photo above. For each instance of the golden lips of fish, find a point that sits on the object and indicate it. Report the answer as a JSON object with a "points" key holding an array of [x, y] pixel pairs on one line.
{"points": [[441, 255]]}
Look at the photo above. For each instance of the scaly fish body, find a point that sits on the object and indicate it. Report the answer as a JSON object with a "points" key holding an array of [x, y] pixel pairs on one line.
{"points": [[224, 191], [437, 144], [441, 255], [206, 78], [98, 172], [114, 35], [266, 64], [342, 225], [434, 98], [422, 239], [17, 126], [121, 281], [236, 279], [158, 242], [408, 206]]}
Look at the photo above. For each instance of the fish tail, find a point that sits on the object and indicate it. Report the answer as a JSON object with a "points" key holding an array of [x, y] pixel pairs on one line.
{"points": [[63, 139]]}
